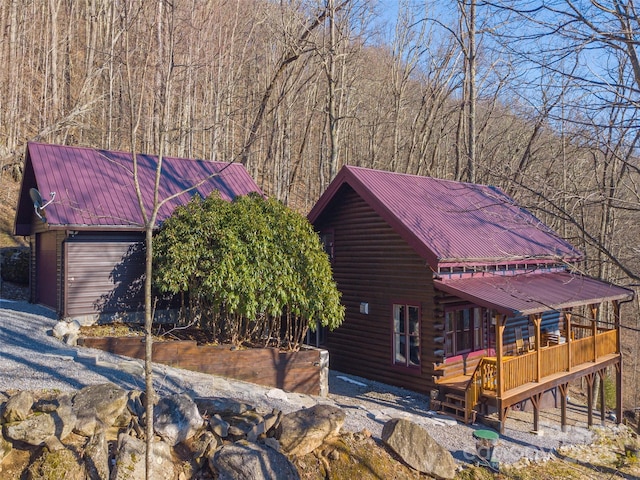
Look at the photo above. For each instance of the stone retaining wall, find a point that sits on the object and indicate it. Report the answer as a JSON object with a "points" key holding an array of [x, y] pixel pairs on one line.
{"points": [[305, 371]]}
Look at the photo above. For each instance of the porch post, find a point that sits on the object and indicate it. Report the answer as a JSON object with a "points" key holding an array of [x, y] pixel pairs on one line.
{"points": [[536, 321], [567, 320], [616, 322], [500, 321], [594, 329]]}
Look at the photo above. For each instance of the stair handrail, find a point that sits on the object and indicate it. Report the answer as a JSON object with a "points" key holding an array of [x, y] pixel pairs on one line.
{"points": [[483, 379]]}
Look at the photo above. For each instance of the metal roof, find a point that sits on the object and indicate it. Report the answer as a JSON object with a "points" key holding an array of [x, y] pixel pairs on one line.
{"points": [[530, 293], [452, 223], [95, 188]]}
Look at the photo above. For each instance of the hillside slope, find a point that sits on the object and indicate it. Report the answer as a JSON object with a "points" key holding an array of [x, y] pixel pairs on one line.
{"points": [[9, 191]]}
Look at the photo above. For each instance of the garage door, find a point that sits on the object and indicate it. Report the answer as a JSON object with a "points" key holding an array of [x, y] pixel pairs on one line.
{"points": [[103, 276]]}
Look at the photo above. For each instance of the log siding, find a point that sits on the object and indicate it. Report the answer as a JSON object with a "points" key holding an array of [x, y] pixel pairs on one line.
{"points": [[374, 265]]}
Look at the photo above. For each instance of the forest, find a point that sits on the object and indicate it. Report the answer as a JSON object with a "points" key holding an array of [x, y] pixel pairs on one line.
{"points": [[539, 98]]}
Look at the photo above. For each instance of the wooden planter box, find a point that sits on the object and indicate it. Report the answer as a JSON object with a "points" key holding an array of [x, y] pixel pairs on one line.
{"points": [[305, 371]]}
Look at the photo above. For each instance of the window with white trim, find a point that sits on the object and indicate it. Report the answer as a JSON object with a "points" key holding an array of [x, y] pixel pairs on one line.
{"points": [[406, 335]]}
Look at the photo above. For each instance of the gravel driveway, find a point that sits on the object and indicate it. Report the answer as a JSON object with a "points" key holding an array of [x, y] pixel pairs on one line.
{"points": [[31, 359]]}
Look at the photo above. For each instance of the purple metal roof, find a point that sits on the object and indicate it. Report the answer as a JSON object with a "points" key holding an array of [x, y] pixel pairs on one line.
{"points": [[531, 293], [452, 223], [95, 188]]}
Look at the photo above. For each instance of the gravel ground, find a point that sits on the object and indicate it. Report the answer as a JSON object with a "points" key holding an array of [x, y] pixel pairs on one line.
{"points": [[31, 359]]}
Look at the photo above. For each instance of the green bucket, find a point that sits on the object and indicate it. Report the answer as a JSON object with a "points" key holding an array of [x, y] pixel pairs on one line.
{"points": [[486, 441]]}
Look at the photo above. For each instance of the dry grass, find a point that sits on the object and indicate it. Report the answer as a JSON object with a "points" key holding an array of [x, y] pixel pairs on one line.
{"points": [[111, 330]]}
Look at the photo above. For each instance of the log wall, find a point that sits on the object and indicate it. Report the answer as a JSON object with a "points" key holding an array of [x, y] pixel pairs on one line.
{"points": [[374, 265]]}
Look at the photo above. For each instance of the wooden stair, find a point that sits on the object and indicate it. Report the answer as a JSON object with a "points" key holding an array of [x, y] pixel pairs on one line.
{"points": [[455, 405], [461, 394]]}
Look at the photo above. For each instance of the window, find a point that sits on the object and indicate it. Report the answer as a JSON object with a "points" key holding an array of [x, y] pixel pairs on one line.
{"points": [[406, 335], [327, 242], [463, 331], [317, 338]]}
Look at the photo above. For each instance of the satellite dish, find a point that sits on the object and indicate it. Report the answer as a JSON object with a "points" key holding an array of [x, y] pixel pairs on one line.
{"points": [[39, 203], [36, 197]]}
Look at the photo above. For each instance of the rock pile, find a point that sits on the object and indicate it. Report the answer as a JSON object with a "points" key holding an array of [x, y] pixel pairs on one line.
{"points": [[98, 432], [68, 332]]}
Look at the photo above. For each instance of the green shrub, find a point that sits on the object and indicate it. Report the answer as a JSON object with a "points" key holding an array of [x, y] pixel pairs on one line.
{"points": [[253, 269]]}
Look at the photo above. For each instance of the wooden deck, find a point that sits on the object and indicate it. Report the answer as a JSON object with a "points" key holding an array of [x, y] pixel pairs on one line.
{"points": [[526, 377], [525, 391]]}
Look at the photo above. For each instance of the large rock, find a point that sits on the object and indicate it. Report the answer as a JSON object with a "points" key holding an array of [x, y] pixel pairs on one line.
{"points": [[98, 406], [5, 448], [130, 460], [212, 405], [201, 447], [247, 426], [135, 403], [219, 426], [176, 418], [63, 464], [35, 430], [303, 431], [64, 328], [18, 407], [417, 449], [251, 461], [96, 456], [64, 417]]}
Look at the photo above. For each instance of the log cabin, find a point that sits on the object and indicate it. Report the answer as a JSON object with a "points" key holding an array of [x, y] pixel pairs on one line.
{"points": [[87, 245], [451, 289]]}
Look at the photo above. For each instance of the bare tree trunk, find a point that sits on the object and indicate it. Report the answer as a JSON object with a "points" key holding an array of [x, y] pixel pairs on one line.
{"points": [[332, 110], [471, 65]]}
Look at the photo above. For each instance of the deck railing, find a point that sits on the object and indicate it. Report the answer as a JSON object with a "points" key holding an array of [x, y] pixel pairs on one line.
{"points": [[518, 370], [554, 359], [606, 343], [484, 378], [582, 351], [522, 369]]}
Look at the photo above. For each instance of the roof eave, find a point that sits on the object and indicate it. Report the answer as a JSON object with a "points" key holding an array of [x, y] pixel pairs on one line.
{"points": [[449, 287], [530, 260], [93, 228], [567, 305], [445, 287], [327, 196]]}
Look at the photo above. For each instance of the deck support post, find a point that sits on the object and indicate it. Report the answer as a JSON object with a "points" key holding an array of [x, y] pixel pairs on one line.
{"points": [[602, 402], [594, 329], [535, 401], [619, 392], [616, 320], [502, 412], [590, 378], [563, 389]]}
